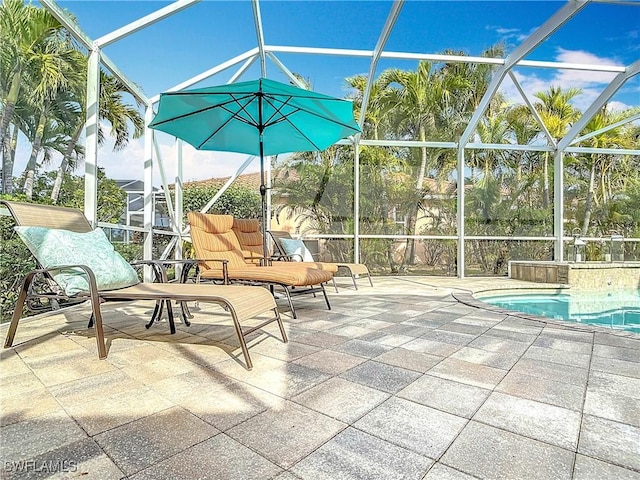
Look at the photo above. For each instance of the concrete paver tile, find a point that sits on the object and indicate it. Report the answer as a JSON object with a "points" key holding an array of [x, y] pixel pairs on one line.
{"points": [[503, 361], [424, 430], [141, 443], [542, 390], [552, 371], [341, 399], [470, 373], [613, 365], [488, 452], [446, 395], [230, 405], [588, 468], [441, 472], [219, 458], [381, 376], [541, 421], [356, 455], [330, 361], [362, 348], [580, 360], [80, 459], [610, 441], [286, 434], [33, 437], [409, 359]]}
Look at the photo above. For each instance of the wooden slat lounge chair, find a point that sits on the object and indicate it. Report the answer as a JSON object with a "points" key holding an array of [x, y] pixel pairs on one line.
{"points": [[214, 240], [242, 302], [355, 269]]}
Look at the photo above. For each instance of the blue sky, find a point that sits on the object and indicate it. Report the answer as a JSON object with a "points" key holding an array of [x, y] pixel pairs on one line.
{"points": [[206, 34]]}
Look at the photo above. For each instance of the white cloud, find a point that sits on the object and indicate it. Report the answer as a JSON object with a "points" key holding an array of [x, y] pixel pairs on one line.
{"points": [[196, 164], [591, 83], [128, 163]]}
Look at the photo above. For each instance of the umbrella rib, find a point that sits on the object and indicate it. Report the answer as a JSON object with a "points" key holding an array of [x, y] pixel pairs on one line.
{"points": [[284, 118], [196, 112], [234, 116], [311, 112]]}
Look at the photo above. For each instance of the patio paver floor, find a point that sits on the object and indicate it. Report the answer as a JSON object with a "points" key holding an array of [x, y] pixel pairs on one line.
{"points": [[398, 381]]}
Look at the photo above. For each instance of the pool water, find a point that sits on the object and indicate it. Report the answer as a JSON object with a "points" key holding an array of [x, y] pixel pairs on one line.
{"points": [[618, 310]]}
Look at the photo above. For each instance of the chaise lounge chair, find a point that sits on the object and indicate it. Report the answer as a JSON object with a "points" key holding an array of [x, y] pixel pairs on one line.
{"points": [[298, 252], [250, 239], [214, 240], [60, 236]]}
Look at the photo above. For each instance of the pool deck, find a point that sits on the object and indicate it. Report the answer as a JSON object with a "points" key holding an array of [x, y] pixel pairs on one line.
{"points": [[410, 379]]}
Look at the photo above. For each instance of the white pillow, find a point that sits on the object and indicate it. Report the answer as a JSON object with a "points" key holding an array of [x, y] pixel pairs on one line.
{"points": [[297, 249]]}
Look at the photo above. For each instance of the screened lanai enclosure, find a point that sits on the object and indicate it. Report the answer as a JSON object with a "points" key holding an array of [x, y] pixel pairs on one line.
{"points": [[466, 160]]}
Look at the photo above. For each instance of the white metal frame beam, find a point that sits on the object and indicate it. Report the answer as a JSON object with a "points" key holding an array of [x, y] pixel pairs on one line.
{"points": [[598, 103], [532, 109], [632, 118], [84, 39], [257, 20], [439, 58], [377, 51], [536, 38], [209, 73], [145, 21]]}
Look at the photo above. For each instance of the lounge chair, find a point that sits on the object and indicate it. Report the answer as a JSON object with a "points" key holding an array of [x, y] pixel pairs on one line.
{"points": [[218, 247], [297, 251], [250, 237], [58, 236]]}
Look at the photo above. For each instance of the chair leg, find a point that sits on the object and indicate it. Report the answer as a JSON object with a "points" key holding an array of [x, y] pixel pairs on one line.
{"points": [[95, 307], [370, 281], [172, 323], [17, 312], [326, 299], [334, 284], [243, 343], [157, 313], [293, 310], [186, 314], [355, 285], [280, 325]]}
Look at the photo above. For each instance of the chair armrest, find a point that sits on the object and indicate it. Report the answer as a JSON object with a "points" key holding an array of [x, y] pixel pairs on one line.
{"points": [[160, 270], [225, 268], [91, 278]]}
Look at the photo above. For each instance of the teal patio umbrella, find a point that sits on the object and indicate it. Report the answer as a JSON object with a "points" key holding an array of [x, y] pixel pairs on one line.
{"points": [[260, 117]]}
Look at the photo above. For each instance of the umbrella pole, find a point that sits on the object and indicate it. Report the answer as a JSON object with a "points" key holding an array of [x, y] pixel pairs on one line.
{"points": [[263, 187], [263, 194]]}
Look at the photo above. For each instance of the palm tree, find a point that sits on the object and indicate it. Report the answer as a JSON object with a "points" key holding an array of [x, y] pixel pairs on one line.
{"points": [[33, 53], [604, 167], [48, 122], [418, 97], [558, 115], [378, 105], [114, 110]]}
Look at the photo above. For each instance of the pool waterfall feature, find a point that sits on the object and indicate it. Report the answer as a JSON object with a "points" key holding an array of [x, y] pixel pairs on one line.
{"points": [[579, 275]]}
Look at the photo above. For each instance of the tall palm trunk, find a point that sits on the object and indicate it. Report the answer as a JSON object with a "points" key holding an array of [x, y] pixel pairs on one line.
{"points": [[409, 252], [64, 164], [588, 204], [9, 161], [546, 199], [7, 115], [36, 146]]}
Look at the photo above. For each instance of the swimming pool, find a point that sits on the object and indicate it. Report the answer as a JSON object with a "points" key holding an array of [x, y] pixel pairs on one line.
{"points": [[618, 310]]}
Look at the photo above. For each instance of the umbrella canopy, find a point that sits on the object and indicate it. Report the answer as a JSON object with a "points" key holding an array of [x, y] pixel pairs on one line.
{"points": [[232, 118], [259, 117]]}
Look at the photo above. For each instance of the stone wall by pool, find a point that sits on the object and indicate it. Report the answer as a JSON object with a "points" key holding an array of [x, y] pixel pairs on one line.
{"points": [[588, 275]]}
